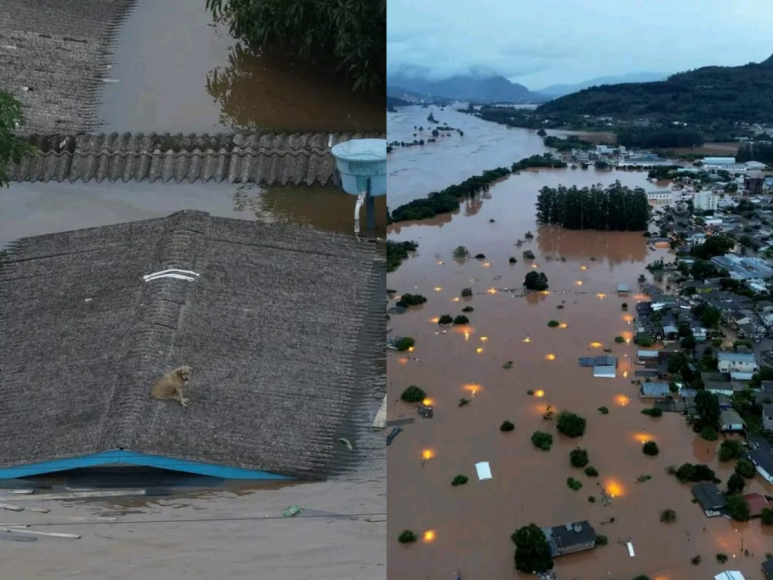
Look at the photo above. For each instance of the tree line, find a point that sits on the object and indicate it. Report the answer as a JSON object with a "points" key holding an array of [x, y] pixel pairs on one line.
{"points": [[616, 208], [762, 152], [648, 138]]}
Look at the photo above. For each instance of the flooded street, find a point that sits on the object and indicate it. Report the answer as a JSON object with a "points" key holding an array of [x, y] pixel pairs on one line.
{"points": [[472, 523], [177, 71], [29, 209]]}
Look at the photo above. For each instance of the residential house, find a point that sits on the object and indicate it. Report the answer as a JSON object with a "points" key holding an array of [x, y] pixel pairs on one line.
{"points": [[654, 390], [757, 502], [764, 394], [767, 568], [736, 318], [570, 538], [761, 454], [730, 421], [744, 362], [765, 306], [710, 498], [647, 355], [767, 417]]}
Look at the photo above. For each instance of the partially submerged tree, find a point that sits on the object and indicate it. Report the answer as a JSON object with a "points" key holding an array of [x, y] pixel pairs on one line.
{"points": [[570, 424], [532, 552], [12, 148], [347, 36], [536, 281], [413, 394], [737, 508]]}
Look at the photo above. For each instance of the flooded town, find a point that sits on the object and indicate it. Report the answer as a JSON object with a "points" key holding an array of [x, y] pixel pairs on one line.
{"points": [[657, 344], [173, 215]]}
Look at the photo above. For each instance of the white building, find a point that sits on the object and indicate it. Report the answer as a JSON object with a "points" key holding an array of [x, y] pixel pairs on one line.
{"points": [[705, 201], [660, 198], [718, 161], [744, 362], [755, 165]]}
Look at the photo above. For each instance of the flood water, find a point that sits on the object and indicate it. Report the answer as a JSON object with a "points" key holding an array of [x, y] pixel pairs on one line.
{"points": [[178, 71], [472, 523], [28, 209]]}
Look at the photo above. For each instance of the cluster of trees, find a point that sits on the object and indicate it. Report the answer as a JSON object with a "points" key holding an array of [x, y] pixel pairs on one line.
{"points": [[537, 161], [713, 246], [648, 138], [663, 172], [509, 116], [617, 207], [397, 252], [536, 281], [699, 97], [12, 148], [571, 142], [448, 199], [347, 36], [758, 152]]}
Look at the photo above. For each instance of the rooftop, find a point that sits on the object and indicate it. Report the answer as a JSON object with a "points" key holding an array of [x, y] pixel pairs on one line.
{"points": [[569, 536], [709, 496], [270, 327], [744, 357], [757, 502]]}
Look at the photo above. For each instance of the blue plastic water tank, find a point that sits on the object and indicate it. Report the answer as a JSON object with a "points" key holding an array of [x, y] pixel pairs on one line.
{"points": [[360, 159]]}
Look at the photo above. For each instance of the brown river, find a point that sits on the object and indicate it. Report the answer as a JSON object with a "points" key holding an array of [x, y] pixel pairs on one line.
{"points": [[469, 526]]}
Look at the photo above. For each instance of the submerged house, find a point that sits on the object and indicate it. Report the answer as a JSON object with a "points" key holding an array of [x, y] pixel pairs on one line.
{"points": [[570, 538], [761, 455], [710, 498], [271, 318]]}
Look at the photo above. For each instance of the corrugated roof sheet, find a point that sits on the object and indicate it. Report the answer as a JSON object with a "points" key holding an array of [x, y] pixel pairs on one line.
{"points": [[272, 329], [263, 158], [654, 389]]}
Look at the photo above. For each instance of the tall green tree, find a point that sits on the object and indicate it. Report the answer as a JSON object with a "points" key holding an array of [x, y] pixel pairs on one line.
{"points": [[349, 35], [707, 406], [12, 148], [532, 552]]}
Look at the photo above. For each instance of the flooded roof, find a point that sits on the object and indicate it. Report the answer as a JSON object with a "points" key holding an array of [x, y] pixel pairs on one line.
{"points": [[569, 536], [757, 502], [736, 356], [767, 567], [265, 326], [654, 389], [55, 55], [263, 158], [709, 496]]}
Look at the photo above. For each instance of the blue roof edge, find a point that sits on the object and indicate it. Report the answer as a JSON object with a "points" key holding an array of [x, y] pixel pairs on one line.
{"points": [[124, 456]]}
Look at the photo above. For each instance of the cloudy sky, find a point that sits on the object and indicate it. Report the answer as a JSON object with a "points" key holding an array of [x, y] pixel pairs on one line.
{"points": [[539, 43]]}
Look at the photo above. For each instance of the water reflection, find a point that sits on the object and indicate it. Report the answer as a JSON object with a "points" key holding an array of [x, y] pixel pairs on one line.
{"points": [[270, 92], [614, 247], [325, 208]]}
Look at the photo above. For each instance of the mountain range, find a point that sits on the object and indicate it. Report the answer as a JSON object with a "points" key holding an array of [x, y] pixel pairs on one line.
{"points": [[635, 77], [704, 96]]}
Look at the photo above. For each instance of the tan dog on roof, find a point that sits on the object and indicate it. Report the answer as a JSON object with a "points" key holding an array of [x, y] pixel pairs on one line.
{"points": [[171, 385]]}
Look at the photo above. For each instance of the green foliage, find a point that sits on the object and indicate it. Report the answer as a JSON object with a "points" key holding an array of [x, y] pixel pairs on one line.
{"points": [[668, 516], [467, 309], [604, 410], [570, 424], [713, 246], [397, 252], [619, 339], [695, 560], [735, 483], [651, 138], [13, 150], [407, 537], [573, 484], [506, 426], [536, 281], [730, 449], [578, 457], [553, 323], [745, 468], [459, 480], [532, 552], [530, 392], [688, 472], [567, 144], [464, 402], [721, 558], [542, 440], [591, 499], [708, 433], [447, 200], [536, 161], [461, 252], [404, 343], [617, 207], [591, 471], [707, 406], [650, 448], [645, 340], [528, 255], [445, 319], [461, 320], [601, 540], [411, 300], [653, 412], [508, 365], [642, 577], [737, 508], [466, 292], [350, 36], [767, 516], [413, 394]]}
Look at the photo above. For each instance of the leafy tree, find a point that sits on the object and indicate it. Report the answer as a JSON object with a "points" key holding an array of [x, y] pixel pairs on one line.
{"points": [[445, 319], [707, 406], [578, 457], [713, 246], [411, 300], [532, 552], [737, 508], [767, 516], [710, 317], [12, 148], [695, 473], [461, 320], [397, 252], [404, 343], [650, 448], [591, 471], [459, 480], [536, 281], [745, 468], [708, 433], [735, 483], [730, 449], [407, 537], [542, 440], [668, 516], [506, 426], [570, 424], [349, 36], [413, 394]]}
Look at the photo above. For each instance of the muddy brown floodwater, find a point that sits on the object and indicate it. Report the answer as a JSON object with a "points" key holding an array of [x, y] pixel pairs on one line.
{"points": [[177, 71], [472, 523]]}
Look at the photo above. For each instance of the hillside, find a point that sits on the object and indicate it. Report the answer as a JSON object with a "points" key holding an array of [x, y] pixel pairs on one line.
{"points": [[555, 91], [392, 102], [702, 96], [477, 88]]}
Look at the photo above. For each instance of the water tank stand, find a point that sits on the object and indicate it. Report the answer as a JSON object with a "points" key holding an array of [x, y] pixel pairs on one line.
{"points": [[370, 207]]}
